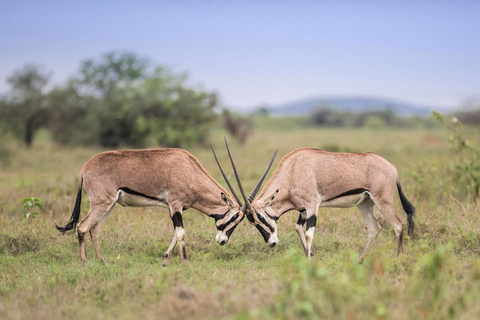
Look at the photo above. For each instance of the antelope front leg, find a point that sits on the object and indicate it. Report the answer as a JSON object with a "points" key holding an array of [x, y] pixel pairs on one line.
{"points": [[311, 222], [168, 254], [180, 234], [299, 228]]}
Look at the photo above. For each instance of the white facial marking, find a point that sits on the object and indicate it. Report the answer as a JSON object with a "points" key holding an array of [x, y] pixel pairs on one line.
{"points": [[222, 238], [273, 240]]}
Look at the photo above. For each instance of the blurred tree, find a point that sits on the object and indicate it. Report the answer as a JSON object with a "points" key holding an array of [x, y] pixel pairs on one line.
{"points": [[71, 118], [388, 117], [187, 117], [324, 116], [238, 126], [262, 110], [122, 99], [469, 112], [24, 110], [112, 79], [112, 73]]}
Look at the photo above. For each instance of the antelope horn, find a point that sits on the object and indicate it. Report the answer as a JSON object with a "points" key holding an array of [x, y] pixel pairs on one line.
{"points": [[226, 179], [260, 181], [247, 203]]}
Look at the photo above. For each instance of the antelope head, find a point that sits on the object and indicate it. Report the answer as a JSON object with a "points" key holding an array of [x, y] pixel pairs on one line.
{"points": [[227, 222], [258, 217]]}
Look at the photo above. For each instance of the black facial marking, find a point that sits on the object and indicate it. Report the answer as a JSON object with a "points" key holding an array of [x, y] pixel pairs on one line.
{"points": [[177, 220], [300, 220], [349, 193], [262, 220], [136, 193], [311, 222], [250, 217], [219, 216], [229, 231], [226, 224], [271, 217], [264, 233]]}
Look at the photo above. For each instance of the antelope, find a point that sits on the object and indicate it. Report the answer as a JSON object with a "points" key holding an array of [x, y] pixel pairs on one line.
{"points": [[307, 179], [170, 178]]}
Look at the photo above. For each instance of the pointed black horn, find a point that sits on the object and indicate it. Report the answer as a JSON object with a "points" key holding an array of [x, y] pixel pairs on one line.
{"points": [[247, 203], [260, 181], [226, 179]]}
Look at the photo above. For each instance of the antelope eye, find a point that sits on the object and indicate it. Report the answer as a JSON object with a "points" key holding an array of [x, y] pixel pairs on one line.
{"points": [[235, 217]]}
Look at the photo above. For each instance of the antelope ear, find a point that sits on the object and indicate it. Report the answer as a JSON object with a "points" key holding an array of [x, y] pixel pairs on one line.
{"points": [[225, 199], [268, 203]]}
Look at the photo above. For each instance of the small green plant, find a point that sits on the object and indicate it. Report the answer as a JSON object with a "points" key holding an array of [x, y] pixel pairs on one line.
{"points": [[29, 204], [465, 165]]}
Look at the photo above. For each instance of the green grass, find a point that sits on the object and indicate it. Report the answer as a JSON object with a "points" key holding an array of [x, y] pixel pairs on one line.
{"points": [[438, 276]]}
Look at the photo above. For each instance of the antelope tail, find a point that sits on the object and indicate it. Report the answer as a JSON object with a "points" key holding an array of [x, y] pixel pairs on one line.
{"points": [[409, 209], [76, 211]]}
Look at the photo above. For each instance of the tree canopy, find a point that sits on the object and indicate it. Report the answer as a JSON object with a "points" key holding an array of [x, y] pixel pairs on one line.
{"points": [[118, 99]]}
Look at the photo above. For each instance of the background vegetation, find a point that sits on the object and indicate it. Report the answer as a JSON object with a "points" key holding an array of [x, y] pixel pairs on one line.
{"points": [[119, 99], [438, 276]]}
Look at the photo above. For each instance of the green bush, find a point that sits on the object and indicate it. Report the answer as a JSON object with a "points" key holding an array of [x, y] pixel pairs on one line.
{"points": [[464, 169], [119, 99]]}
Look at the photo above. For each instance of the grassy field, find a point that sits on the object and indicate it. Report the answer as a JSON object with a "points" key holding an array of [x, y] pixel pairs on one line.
{"points": [[438, 276]]}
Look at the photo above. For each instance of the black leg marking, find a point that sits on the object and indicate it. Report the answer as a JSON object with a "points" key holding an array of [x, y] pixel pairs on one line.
{"points": [[311, 222], [177, 220], [184, 254], [300, 220]]}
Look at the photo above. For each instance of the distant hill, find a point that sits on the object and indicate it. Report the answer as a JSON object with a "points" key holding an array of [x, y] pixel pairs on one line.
{"points": [[354, 104]]}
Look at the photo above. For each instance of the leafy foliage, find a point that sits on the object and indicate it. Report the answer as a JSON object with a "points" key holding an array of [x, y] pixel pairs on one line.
{"points": [[119, 99], [465, 165], [24, 111], [29, 204]]}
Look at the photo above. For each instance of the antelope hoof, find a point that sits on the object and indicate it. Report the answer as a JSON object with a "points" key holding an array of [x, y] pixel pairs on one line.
{"points": [[166, 262]]}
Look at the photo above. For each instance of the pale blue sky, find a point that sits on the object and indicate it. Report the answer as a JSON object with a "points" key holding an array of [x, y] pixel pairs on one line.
{"points": [[254, 52]]}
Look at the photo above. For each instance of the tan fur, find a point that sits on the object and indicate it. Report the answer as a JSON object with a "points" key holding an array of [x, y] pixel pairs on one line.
{"points": [[173, 177], [307, 179]]}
